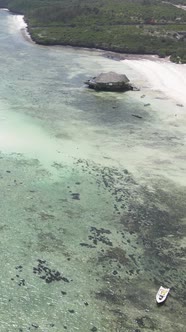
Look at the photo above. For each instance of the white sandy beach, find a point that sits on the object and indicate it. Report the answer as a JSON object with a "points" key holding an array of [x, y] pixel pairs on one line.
{"points": [[163, 76]]}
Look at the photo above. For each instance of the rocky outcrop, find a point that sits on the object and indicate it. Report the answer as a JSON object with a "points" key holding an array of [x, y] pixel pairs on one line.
{"points": [[110, 82]]}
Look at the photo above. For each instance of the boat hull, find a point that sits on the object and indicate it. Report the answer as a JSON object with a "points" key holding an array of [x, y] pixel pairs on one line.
{"points": [[162, 294]]}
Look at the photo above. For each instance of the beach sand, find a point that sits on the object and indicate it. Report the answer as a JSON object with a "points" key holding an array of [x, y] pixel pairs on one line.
{"points": [[162, 75]]}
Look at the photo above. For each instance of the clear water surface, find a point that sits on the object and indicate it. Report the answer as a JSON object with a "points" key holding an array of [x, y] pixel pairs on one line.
{"points": [[93, 213]]}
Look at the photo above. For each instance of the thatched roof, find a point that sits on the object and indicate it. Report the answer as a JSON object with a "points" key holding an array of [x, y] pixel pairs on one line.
{"points": [[110, 82], [111, 77]]}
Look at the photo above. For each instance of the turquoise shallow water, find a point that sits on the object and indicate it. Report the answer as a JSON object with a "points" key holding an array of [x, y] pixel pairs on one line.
{"points": [[92, 198]]}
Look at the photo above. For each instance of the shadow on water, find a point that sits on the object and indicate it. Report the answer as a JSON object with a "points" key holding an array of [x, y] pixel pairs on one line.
{"points": [[112, 108]]}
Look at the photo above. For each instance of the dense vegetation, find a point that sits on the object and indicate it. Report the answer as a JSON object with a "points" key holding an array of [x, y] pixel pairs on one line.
{"points": [[132, 26]]}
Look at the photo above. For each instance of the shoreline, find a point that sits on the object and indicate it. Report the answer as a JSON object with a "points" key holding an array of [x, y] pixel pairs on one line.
{"points": [[119, 50], [161, 76], [117, 56], [154, 75]]}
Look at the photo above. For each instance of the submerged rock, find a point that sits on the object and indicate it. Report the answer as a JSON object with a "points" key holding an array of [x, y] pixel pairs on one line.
{"points": [[110, 82]]}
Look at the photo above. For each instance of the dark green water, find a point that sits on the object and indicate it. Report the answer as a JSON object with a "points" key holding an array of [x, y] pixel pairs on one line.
{"points": [[93, 212]]}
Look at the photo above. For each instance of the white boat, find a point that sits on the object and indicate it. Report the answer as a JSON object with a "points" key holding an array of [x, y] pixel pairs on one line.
{"points": [[162, 294]]}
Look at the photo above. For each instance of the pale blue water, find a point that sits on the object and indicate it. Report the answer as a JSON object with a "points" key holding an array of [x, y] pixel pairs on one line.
{"points": [[92, 198]]}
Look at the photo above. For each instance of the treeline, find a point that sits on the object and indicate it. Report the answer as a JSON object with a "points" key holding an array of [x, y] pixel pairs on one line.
{"points": [[121, 25], [102, 11]]}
